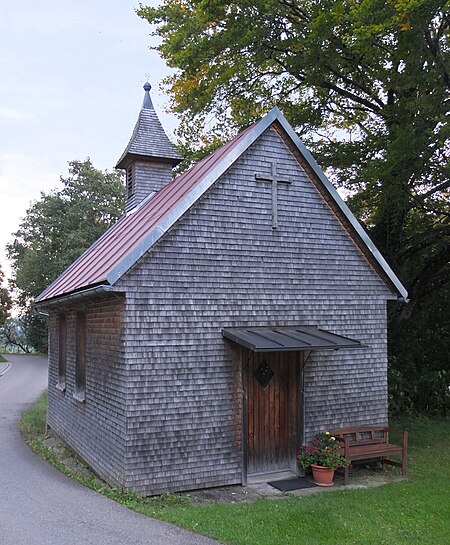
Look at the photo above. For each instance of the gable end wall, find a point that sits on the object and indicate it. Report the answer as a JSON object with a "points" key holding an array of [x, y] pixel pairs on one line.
{"points": [[222, 265]]}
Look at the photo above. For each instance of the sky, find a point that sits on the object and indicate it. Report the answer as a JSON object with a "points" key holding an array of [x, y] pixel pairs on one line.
{"points": [[71, 77]]}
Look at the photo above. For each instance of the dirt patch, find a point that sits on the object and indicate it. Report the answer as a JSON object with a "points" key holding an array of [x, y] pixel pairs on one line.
{"points": [[224, 494], [67, 457]]}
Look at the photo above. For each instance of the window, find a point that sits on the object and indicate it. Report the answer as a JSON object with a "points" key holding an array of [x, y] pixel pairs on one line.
{"points": [[80, 361], [62, 351]]}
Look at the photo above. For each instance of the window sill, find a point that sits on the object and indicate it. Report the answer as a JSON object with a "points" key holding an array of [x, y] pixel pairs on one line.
{"points": [[61, 386], [80, 397]]}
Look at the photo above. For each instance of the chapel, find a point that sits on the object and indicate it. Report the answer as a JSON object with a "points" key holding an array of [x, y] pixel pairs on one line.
{"points": [[232, 312]]}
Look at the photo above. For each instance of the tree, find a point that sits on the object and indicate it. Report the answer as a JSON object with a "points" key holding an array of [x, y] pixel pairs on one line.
{"points": [[13, 336], [366, 86], [5, 300], [61, 225], [55, 231], [366, 83]]}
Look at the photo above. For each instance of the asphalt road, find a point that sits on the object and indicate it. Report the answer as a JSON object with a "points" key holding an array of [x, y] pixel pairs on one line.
{"points": [[39, 505]]}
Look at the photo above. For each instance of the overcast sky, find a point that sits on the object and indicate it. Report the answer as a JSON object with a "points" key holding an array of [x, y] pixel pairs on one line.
{"points": [[71, 76]]}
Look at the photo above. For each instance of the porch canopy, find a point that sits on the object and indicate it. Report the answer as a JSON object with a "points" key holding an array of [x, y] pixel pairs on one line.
{"points": [[287, 339]]}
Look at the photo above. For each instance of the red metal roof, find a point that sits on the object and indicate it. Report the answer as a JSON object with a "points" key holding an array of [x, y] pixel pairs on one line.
{"points": [[93, 266]]}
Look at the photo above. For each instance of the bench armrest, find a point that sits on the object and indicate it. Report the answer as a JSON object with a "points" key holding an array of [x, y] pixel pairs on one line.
{"points": [[403, 434], [346, 444], [396, 431]]}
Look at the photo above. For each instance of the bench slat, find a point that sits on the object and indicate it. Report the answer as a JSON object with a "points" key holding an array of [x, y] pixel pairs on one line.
{"points": [[368, 451]]}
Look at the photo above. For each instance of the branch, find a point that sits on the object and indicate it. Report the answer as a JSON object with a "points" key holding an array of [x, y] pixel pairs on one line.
{"points": [[436, 266], [383, 48], [12, 341], [433, 44], [435, 210], [351, 96], [417, 292], [439, 187], [426, 240], [300, 77], [356, 109], [352, 83], [294, 7]]}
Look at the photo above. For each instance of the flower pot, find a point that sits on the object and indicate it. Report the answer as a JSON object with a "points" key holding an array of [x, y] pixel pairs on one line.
{"points": [[322, 476]]}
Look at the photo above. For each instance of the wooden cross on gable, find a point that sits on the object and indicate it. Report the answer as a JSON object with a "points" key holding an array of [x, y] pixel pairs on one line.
{"points": [[275, 180]]}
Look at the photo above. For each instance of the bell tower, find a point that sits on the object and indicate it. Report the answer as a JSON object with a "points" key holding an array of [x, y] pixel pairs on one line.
{"points": [[149, 157]]}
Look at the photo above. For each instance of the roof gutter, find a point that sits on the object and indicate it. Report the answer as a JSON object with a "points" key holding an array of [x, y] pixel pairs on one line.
{"points": [[77, 296]]}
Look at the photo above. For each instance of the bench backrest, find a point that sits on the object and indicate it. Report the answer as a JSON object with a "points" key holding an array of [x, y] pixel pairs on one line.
{"points": [[363, 435]]}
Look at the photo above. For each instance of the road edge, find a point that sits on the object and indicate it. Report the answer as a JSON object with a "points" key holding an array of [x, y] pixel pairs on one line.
{"points": [[5, 366]]}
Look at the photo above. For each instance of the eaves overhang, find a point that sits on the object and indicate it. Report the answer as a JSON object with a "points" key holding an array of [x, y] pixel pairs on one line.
{"points": [[129, 158], [288, 338], [75, 296]]}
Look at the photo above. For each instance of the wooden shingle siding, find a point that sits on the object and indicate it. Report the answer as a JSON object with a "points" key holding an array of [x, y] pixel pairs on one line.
{"points": [[96, 428], [223, 265], [146, 179]]}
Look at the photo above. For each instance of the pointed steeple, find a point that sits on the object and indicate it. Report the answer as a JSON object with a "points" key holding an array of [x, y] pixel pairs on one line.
{"points": [[147, 104], [149, 156]]}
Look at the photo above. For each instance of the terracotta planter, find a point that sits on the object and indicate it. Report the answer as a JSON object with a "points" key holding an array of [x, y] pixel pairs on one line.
{"points": [[322, 476]]}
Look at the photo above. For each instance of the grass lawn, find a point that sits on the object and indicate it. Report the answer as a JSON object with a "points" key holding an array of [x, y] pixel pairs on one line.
{"points": [[2, 359], [413, 512]]}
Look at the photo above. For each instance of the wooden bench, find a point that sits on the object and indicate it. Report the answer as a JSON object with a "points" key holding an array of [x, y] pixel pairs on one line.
{"points": [[371, 443]]}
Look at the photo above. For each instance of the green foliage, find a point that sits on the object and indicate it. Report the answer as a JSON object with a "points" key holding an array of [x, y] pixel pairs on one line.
{"points": [[35, 329], [61, 225], [419, 372], [366, 85], [56, 230], [33, 421], [5, 300], [12, 336]]}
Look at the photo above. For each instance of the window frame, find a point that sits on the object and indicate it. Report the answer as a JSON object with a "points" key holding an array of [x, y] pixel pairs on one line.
{"points": [[80, 357], [62, 351]]}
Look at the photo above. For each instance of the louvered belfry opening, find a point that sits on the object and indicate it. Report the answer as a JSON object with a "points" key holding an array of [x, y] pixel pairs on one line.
{"points": [[129, 183], [149, 157]]}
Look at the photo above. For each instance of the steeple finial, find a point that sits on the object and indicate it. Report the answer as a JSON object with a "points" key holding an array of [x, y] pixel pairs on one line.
{"points": [[147, 104]]}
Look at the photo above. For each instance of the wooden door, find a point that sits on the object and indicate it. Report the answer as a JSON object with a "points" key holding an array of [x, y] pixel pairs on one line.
{"points": [[273, 407]]}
